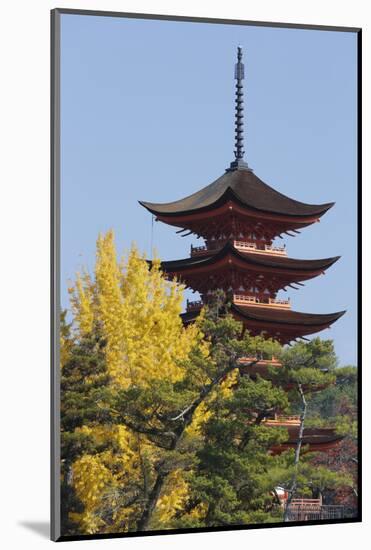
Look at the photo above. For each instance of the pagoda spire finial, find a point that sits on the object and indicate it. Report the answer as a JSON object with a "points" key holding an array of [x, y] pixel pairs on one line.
{"points": [[239, 75]]}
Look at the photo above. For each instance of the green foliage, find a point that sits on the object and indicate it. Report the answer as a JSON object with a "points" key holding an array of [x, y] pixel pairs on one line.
{"points": [[83, 378], [338, 399], [317, 354], [311, 479], [230, 475], [197, 444]]}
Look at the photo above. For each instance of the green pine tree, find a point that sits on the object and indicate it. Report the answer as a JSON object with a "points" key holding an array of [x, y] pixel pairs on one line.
{"points": [[83, 383]]}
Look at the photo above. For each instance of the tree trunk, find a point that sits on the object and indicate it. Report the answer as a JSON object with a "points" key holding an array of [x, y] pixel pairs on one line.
{"points": [[151, 502], [187, 416], [292, 489]]}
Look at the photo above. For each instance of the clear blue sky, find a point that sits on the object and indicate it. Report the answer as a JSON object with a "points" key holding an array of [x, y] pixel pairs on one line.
{"points": [[147, 113]]}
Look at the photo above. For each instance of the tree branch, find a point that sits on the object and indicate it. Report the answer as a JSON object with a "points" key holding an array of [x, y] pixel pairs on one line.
{"points": [[291, 491], [147, 431], [151, 502], [187, 415]]}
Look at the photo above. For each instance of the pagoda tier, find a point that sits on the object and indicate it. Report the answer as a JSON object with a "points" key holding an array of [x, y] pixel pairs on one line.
{"points": [[238, 268], [314, 439], [284, 325], [273, 321], [265, 369], [238, 204], [239, 216]]}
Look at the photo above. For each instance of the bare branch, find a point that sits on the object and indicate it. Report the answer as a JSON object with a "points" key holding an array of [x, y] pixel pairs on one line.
{"points": [[293, 487]]}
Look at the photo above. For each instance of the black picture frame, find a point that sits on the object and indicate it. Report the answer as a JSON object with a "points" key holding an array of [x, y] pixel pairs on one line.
{"points": [[55, 265]]}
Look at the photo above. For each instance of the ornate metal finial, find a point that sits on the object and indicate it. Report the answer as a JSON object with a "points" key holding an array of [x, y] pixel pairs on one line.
{"points": [[239, 75]]}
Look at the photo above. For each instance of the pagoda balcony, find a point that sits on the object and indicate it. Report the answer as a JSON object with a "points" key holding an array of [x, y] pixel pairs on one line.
{"points": [[308, 509], [194, 306], [260, 363], [254, 365], [244, 299], [265, 249], [283, 421], [243, 246], [200, 250]]}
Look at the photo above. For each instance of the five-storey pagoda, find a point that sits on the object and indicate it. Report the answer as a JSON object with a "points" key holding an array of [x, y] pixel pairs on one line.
{"points": [[239, 216]]}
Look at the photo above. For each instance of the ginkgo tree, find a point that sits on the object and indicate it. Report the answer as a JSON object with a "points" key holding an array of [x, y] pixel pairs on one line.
{"points": [[127, 334]]}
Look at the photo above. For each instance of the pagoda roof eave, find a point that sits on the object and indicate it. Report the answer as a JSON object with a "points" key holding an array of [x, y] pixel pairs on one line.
{"points": [[246, 189], [268, 261], [321, 443], [277, 317], [312, 435], [286, 316]]}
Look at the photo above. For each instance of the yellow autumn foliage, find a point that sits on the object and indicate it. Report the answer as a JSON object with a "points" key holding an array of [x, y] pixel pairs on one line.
{"points": [[90, 479], [138, 312], [97, 479], [82, 298], [202, 413], [174, 496]]}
